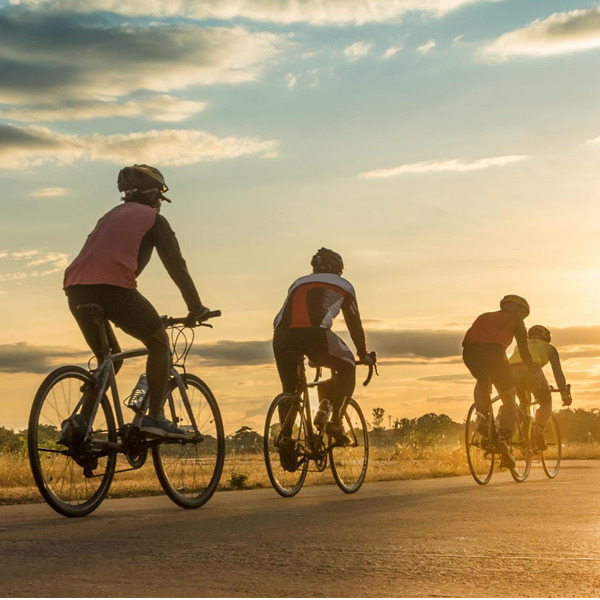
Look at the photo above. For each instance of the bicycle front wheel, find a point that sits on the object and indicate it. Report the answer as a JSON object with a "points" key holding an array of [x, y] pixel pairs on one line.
{"points": [[285, 438], [72, 479], [349, 463], [189, 470], [552, 455], [480, 453], [521, 448]]}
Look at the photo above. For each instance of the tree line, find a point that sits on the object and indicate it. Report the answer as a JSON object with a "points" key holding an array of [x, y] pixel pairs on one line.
{"points": [[576, 426]]}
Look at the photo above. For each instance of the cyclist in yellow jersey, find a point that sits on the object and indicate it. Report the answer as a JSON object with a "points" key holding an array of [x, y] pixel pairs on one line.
{"points": [[542, 352]]}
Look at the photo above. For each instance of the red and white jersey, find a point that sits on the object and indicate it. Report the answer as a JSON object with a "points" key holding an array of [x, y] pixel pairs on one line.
{"points": [[316, 300]]}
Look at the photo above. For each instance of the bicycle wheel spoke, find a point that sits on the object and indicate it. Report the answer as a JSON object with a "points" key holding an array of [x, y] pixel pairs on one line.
{"points": [[551, 457], [349, 463], [480, 455], [284, 437], [58, 475], [190, 471]]}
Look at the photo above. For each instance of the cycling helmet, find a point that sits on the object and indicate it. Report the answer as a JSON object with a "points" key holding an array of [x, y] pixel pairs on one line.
{"points": [[327, 261], [514, 299], [142, 178], [540, 332]]}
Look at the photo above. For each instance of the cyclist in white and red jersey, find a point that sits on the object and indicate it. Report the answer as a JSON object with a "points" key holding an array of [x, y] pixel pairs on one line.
{"points": [[105, 273], [303, 327], [535, 382], [484, 354]]}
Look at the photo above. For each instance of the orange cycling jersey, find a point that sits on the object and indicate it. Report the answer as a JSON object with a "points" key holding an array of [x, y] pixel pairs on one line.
{"points": [[492, 328]]}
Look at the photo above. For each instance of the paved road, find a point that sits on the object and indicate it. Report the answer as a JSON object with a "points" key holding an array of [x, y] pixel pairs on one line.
{"points": [[444, 537]]}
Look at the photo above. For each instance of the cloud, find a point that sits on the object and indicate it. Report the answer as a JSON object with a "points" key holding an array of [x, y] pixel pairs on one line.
{"points": [[452, 166], [392, 51], [394, 347], [357, 50], [232, 353], [448, 378], [408, 343], [38, 52], [314, 12], [560, 33], [26, 264], [427, 47], [22, 147], [291, 81], [26, 358], [163, 108], [51, 192]]}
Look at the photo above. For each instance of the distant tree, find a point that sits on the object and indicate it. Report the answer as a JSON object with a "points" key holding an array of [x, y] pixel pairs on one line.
{"points": [[246, 439], [378, 417], [11, 441]]}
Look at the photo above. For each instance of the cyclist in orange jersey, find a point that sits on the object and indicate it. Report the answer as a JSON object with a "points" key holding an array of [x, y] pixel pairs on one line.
{"points": [[484, 354], [542, 352]]}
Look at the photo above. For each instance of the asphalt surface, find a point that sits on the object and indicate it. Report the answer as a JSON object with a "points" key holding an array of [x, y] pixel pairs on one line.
{"points": [[442, 537]]}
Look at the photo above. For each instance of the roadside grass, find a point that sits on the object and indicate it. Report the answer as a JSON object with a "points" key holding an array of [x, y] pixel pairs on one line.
{"points": [[247, 471]]}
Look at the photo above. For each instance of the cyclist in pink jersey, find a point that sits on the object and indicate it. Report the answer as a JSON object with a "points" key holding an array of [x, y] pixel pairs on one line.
{"points": [[105, 273], [484, 354]]}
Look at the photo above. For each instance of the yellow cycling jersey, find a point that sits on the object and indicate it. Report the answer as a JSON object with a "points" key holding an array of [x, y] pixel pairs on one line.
{"points": [[541, 352]]}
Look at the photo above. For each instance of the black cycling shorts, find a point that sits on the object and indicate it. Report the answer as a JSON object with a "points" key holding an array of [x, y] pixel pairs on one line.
{"points": [[489, 365], [126, 308]]}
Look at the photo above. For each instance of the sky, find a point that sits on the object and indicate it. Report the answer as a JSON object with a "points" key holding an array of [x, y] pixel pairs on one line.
{"points": [[447, 149]]}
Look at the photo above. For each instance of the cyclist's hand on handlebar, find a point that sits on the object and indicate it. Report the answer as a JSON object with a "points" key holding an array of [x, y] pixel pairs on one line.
{"points": [[566, 399], [195, 316], [369, 359]]}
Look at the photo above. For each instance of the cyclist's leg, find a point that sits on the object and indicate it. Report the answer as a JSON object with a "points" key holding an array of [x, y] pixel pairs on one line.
{"points": [[136, 316], [88, 294], [287, 351], [543, 395], [328, 350], [475, 359]]}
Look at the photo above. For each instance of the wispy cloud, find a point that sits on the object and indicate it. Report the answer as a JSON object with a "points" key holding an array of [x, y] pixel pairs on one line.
{"points": [[163, 108], [38, 51], [25, 264], [427, 47], [560, 33], [50, 192], [291, 81], [452, 166], [391, 51], [22, 147], [357, 50], [314, 12]]}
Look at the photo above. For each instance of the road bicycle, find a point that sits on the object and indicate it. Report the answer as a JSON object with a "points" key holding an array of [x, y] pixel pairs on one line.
{"points": [[290, 414], [75, 435], [482, 445], [550, 457]]}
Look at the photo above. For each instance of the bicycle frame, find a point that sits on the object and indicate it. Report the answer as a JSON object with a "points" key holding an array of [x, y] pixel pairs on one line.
{"points": [[106, 377]]}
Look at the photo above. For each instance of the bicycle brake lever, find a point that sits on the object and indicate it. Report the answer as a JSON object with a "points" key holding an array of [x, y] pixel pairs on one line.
{"points": [[205, 325]]}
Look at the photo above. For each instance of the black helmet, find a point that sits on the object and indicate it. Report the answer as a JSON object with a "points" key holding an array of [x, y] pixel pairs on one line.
{"points": [[141, 178], [540, 332], [512, 301], [327, 261]]}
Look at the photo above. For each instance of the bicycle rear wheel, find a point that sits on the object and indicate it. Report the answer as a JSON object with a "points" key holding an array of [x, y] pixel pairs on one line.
{"points": [[58, 470], [349, 463], [285, 416], [189, 471], [479, 457], [521, 448], [552, 455]]}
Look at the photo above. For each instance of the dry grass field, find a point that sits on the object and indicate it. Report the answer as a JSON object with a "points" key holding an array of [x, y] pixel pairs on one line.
{"points": [[248, 470]]}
